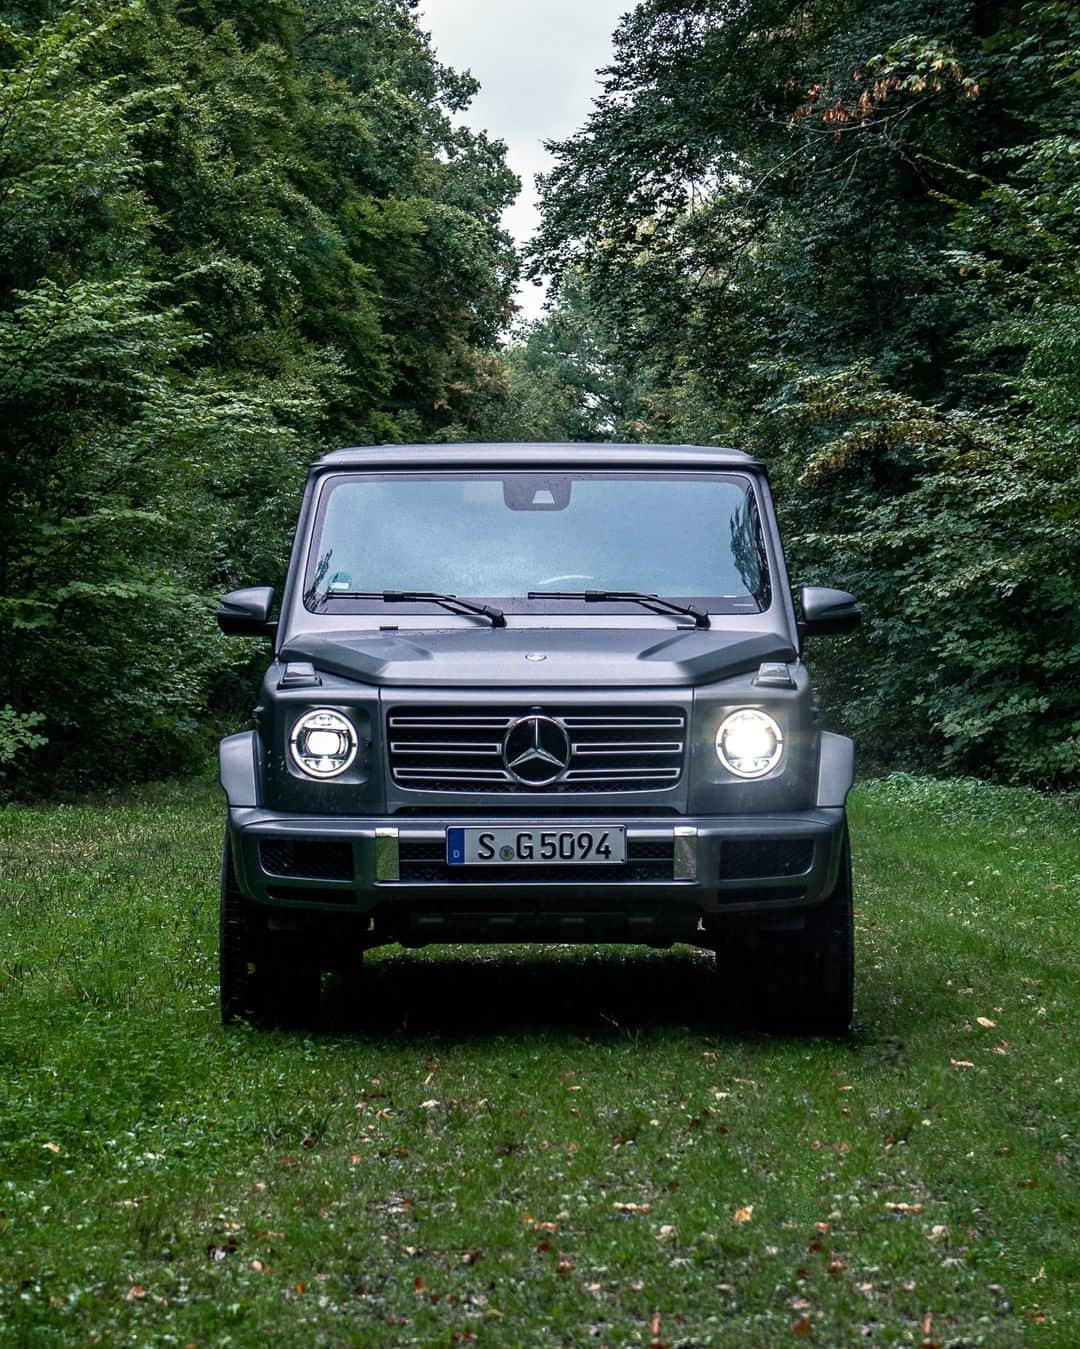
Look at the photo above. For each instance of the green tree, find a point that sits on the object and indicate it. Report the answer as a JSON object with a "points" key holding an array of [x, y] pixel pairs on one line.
{"points": [[846, 240], [231, 235]]}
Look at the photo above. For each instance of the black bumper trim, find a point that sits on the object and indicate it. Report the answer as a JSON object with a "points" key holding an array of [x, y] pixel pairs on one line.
{"points": [[677, 865]]}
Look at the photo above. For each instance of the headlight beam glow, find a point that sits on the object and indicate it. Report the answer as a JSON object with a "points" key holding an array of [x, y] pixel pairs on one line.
{"points": [[749, 743], [323, 743]]}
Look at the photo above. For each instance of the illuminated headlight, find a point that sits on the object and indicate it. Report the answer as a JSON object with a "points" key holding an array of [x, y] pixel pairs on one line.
{"points": [[323, 743], [749, 743]]}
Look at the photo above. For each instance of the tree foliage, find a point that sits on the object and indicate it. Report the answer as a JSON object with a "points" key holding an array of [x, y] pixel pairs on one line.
{"points": [[845, 238], [231, 235]]}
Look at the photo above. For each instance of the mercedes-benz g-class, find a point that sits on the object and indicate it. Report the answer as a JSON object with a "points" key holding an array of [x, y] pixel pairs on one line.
{"points": [[543, 693]]}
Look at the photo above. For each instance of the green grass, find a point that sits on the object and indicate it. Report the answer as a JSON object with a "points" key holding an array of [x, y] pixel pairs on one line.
{"points": [[539, 1147]]}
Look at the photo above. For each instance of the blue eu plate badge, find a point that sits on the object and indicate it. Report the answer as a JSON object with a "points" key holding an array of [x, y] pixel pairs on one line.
{"points": [[455, 846]]}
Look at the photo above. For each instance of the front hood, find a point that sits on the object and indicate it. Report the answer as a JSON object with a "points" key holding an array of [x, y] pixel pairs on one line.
{"points": [[572, 657]]}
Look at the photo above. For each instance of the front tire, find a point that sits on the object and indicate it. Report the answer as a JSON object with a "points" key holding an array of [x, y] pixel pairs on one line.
{"points": [[236, 948], [802, 981], [262, 981]]}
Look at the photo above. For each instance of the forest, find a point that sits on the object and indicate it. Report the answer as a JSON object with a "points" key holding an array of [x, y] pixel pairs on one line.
{"points": [[845, 238]]}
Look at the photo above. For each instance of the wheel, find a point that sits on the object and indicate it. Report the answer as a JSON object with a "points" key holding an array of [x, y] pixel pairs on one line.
{"points": [[262, 979], [236, 947], [802, 980]]}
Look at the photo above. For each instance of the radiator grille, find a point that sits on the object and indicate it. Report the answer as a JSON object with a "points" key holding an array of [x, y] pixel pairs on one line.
{"points": [[610, 749]]}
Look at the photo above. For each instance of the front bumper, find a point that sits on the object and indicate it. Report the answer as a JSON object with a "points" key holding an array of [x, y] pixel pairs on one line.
{"points": [[391, 875]]}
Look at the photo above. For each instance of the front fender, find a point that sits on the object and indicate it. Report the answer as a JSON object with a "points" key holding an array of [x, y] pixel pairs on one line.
{"points": [[238, 758], [836, 769]]}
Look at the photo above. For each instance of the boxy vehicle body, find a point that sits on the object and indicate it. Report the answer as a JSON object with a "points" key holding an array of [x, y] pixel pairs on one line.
{"points": [[538, 693]]}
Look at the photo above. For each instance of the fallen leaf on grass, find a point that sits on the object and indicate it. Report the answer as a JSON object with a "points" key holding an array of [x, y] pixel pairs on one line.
{"points": [[802, 1327], [961, 1063], [837, 1267], [743, 1215], [564, 1267], [904, 1208], [471, 1257], [632, 1208], [429, 1105], [546, 1227], [51, 1147], [986, 1022], [259, 1266], [134, 1293]]}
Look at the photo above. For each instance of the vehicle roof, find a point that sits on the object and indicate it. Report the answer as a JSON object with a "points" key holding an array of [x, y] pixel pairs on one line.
{"points": [[536, 454]]}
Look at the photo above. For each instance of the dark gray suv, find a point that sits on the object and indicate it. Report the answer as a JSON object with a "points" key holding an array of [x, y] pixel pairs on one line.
{"points": [[538, 693]]}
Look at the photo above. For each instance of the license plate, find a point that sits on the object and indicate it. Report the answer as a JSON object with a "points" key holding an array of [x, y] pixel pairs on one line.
{"points": [[535, 846]]}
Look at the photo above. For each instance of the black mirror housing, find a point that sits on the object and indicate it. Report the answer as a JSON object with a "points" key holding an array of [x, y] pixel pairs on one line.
{"points": [[246, 613], [828, 612]]}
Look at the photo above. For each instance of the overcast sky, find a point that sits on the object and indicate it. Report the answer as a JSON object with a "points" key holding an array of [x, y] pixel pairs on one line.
{"points": [[536, 62]]}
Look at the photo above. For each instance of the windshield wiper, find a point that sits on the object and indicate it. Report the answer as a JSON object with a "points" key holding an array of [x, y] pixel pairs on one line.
{"points": [[700, 617], [451, 602]]}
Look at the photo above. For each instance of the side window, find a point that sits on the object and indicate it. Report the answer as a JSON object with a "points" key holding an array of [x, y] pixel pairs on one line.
{"points": [[748, 549]]}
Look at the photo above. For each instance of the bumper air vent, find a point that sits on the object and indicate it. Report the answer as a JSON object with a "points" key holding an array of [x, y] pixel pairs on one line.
{"points": [[313, 861], [758, 859]]}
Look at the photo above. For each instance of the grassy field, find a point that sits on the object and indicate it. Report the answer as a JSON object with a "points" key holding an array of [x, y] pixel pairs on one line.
{"points": [[540, 1147]]}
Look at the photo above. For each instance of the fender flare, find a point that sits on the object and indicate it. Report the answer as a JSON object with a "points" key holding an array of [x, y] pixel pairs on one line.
{"points": [[238, 759], [836, 769]]}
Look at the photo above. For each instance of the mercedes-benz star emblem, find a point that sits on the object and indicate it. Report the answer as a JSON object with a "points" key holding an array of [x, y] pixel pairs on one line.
{"points": [[536, 750]]}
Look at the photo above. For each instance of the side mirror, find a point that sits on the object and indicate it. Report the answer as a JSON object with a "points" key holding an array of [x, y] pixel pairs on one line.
{"points": [[246, 613], [827, 612]]}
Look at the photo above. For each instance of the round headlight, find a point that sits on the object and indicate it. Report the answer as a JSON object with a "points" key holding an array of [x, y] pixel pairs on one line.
{"points": [[749, 743], [323, 743]]}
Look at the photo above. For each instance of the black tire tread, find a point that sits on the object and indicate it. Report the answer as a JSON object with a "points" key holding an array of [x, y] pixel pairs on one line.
{"points": [[261, 980], [235, 947], [801, 982]]}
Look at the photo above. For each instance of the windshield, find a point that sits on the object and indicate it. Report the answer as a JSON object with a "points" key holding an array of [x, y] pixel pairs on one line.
{"points": [[498, 536]]}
